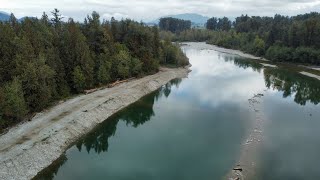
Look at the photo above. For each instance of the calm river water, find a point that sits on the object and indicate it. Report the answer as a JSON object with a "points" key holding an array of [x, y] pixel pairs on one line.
{"points": [[194, 128]]}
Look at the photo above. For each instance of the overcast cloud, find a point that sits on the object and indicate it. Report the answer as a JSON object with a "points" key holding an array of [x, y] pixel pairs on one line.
{"points": [[152, 9]]}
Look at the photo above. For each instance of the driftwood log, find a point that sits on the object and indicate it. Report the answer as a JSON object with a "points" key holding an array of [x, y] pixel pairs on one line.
{"points": [[119, 82], [89, 91]]}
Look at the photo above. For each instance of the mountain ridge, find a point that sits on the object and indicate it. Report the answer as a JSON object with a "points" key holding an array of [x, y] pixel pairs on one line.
{"points": [[4, 16], [196, 19]]}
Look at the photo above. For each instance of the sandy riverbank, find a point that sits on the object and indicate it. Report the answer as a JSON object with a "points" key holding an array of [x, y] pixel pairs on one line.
{"points": [[310, 75], [32, 146]]}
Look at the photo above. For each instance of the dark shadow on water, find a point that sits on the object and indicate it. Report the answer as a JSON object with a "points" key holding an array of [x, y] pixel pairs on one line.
{"points": [[52, 170], [288, 81], [134, 115], [244, 63], [303, 88]]}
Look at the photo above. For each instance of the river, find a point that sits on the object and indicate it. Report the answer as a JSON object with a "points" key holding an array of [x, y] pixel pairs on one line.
{"points": [[195, 128]]}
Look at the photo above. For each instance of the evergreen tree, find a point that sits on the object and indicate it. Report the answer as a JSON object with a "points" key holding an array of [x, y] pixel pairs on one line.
{"points": [[77, 53], [135, 67], [174, 25], [156, 40], [103, 75], [37, 79], [123, 68], [56, 20], [7, 53], [13, 103], [212, 23], [44, 60], [79, 80], [224, 24]]}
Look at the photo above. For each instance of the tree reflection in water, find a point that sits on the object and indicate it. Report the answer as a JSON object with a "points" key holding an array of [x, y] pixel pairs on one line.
{"points": [[303, 88], [136, 114], [290, 82], [52, 170]]}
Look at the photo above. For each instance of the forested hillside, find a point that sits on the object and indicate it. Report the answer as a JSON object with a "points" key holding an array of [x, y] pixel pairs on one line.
{"points": [[44, 60], [279, 38]]}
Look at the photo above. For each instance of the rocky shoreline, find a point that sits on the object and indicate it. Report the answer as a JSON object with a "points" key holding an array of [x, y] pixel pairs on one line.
{"points": [[30, 147]]}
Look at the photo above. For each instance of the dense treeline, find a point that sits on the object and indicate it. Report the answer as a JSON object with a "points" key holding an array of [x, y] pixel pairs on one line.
{"points": [[174, 25], [44, 60], [279, 38], [223, 24], [198, 35]]}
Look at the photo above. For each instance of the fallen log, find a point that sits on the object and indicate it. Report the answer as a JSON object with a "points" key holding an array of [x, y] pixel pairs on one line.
{"points": [[90, 91], [119, 82]]}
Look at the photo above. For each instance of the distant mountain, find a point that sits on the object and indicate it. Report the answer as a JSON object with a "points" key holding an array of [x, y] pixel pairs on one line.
{"points": [[23, 18], [4, 16], [196, 19]]}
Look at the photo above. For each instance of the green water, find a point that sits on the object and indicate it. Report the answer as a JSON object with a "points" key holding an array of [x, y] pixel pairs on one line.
{"points": [[193, 128]]}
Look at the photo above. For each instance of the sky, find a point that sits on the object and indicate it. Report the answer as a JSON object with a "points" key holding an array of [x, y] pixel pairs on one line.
{"points": [[148, 10]]}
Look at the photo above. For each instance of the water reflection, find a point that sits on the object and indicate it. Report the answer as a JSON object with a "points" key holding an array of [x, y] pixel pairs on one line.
{"points": [[190, 129], [293, 84], [216, 78], [290, 82], [52, 171], [97, 140], [246, 63], [135, 115]]}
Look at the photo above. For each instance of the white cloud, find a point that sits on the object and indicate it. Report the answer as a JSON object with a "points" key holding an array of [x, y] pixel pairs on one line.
{"points": [[117, 16], [151, 9], [238, 84]]}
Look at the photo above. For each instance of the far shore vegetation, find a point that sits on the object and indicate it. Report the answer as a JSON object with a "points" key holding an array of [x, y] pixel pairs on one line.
{"points": [[280, 38]]}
